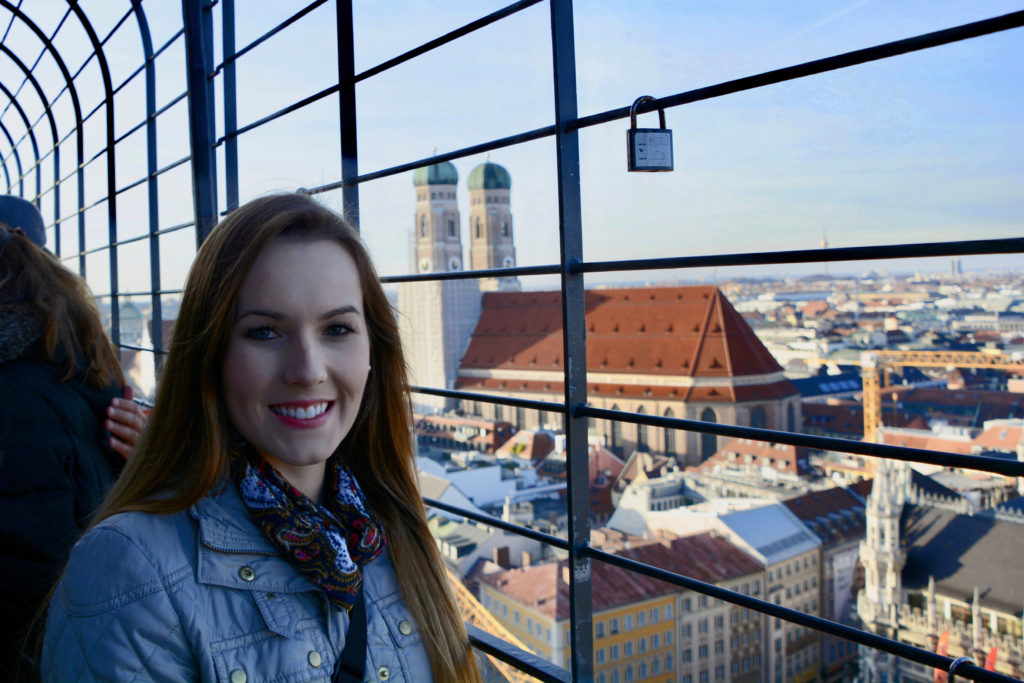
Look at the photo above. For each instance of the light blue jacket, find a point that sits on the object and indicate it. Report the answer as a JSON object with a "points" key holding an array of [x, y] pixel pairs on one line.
{"points": [[202, 595]]}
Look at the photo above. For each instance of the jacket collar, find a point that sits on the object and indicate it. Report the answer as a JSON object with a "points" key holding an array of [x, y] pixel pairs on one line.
{"points": [[225, 525]]}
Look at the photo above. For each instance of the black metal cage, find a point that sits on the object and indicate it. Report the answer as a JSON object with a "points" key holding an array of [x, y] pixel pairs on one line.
{"points": [[85, 103]]}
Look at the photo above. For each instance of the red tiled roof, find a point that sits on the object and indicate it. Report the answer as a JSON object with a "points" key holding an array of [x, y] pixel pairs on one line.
{"points": [[783, 457], [824, 513], [670, 331], [702, 556]]}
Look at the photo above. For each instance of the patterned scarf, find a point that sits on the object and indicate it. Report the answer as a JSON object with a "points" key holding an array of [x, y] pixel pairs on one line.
{"points": [[327, 543]]}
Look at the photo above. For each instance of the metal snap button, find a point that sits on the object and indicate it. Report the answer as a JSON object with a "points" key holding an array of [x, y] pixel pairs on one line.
{"points": [[383, 673], [314, 659], [238, 676], [404, 627], [246, 573]]}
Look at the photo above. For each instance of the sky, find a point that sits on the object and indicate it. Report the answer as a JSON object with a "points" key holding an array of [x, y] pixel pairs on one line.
{"points": [[922, 147]]}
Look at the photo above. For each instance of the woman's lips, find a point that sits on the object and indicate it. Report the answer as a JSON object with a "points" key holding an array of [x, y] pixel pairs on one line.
{"points": [[302, 414]]}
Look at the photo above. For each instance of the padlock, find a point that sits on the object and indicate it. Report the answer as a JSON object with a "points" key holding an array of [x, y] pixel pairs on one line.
{"points": [[649, 149]]}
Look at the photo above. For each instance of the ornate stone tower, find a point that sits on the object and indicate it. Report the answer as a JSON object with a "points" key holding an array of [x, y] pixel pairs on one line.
{"points": [[883, 558], [436, 318], [438, 234], [490, 225]]}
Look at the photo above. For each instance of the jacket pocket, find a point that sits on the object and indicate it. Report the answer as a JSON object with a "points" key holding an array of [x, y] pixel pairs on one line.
{"points": [[269, 657]]}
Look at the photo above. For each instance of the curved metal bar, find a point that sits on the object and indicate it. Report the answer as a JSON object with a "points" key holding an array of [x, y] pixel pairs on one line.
{"points": [[7, 175], [32, 138], [69, 85], [108, 91], [17, 160], [156, 305], [53, 133], [42, 52]]}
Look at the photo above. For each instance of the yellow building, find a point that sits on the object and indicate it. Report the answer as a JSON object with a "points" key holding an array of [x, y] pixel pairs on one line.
{"points": [[644, 629]]}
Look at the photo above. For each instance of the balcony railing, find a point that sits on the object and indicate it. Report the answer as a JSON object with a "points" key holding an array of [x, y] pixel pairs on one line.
{"points": [[78, 101]]}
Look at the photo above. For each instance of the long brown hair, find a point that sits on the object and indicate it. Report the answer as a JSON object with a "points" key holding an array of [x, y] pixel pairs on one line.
{"points": [[73, 338], [184, 449]]}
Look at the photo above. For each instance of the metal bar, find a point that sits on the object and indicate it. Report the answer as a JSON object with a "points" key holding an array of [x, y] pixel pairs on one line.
{"points": [[150, 59], [471, 274], [281, 112], [503, 400], [198, 49], [154, 174], [819, 66], [1005, 245], [32, 139], [448, 37], [152, 115], [574, 342], [347, 111], [152, 189], [1010, 468], [227, 13], [108, 88], [527, 662], [17, 161], [231, 57], [500, 524], [472, 150]]}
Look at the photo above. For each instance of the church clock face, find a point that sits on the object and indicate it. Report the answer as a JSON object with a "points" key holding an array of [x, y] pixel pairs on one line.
{"points": [[507, 262], [454, 263], [425, 265]]}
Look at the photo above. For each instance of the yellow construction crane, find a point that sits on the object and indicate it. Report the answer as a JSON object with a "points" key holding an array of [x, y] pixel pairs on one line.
{"points": [[478, 615], [875, 367]]}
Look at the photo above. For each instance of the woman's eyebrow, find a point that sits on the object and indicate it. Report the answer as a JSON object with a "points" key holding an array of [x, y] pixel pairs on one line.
{"points": [[263, 313], [340, 310]]}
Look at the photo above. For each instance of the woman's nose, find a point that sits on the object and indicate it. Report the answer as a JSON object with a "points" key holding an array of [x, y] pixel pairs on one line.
{"points": [[305, 365]]}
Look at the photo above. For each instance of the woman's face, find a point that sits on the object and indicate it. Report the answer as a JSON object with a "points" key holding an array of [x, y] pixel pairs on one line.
{"points": [[298, 356]]}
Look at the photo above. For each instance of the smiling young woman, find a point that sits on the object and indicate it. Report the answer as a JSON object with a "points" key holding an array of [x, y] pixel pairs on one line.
{"points": [[274, 491]]}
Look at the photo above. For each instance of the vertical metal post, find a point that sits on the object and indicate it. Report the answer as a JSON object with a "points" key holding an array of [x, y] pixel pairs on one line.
{"points": [[570, 227], [347, 112], [156, 302], [227, 17], [198, 65]]}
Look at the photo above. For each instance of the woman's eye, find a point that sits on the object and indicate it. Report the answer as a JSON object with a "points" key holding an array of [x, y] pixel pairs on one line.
{"points": [[337, 330], [259, 333]]}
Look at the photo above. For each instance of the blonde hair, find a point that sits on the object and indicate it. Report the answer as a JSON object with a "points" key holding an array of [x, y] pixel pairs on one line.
{"points": [[183, 452], [72, 336]]}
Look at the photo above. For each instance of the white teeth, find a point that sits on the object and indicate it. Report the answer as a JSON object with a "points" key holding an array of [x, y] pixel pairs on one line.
{"points": [[307, 413]]}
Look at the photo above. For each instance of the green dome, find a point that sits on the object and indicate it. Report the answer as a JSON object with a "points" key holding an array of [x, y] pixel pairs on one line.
{"points": [[488, 176], [443, 173]]}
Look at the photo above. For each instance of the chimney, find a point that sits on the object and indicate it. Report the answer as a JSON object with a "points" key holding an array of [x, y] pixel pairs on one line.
{"points": [[527, 558], [501, 557]]}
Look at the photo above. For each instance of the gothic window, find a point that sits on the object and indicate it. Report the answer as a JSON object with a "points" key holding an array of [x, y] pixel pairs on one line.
{"points": [[499, 413], [423, 226], [708, 442], [504, 228], [478, 227], [757, 418], [790, 421], [670, 435], [451, 228]]}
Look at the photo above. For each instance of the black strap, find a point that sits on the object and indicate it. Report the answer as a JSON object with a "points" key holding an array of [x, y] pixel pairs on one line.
{"points": [[353, 658]]}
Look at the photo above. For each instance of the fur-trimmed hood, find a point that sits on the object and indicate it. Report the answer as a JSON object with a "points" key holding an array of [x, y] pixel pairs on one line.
{"points": [[20, 328]]}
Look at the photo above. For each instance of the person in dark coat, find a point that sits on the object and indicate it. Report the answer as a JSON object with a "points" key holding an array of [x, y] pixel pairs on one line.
{"points": [[64, 431]]}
